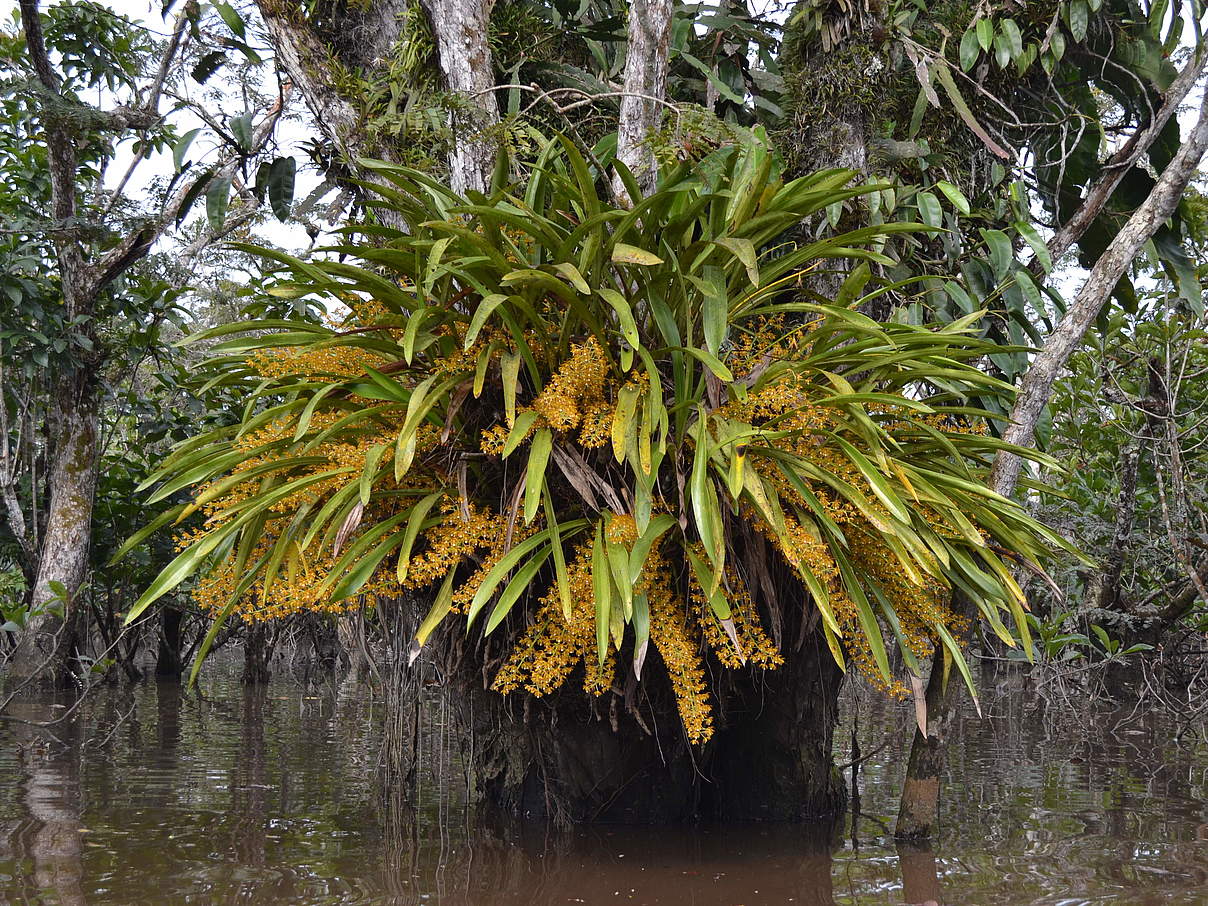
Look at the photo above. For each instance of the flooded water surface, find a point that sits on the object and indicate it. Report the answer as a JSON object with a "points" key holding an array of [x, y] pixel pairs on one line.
{"points": [[271, 797]]}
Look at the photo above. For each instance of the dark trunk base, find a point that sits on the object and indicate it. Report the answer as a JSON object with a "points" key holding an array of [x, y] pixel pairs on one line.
{"points": [[772, 762], [572, 759], [169, 662], [257, 652]]}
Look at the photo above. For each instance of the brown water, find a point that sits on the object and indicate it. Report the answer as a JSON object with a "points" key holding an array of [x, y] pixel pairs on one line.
{"points": [[157, 798]]}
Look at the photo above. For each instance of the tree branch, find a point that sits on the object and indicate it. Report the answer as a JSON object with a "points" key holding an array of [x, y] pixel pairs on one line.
{"points": [[1037, 383], [1118, 165]]}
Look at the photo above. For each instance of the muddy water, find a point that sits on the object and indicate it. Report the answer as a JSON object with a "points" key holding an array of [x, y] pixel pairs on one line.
{"points": [[269, 798]]}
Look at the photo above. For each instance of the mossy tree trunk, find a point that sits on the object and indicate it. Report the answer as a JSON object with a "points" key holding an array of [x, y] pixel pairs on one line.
{"points": [[646, 64], [48, 643], [333, 62]]}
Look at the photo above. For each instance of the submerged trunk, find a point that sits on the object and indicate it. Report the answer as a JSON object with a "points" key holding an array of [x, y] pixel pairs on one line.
{"points": [[169, 662], [48, 643], [918, 808], [257, 653], [621, 757], [772, 760]]}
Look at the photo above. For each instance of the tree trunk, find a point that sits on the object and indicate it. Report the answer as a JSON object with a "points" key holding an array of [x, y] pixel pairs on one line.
{"points": [[920, 797], [48, 643], [784, 723], [307, 61], [919, 806], [1106, 594], [570, 758], [257, 652], [646, 62], [168, 662], [461, 31]]}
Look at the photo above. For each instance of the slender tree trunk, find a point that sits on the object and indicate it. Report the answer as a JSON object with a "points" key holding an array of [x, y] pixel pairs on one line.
{"points": [[46, 646], [1107, 591], [1037, 384], [920, 799], [646, 62], [257, 653], [168, 663], [919, 805], [48, 643]]}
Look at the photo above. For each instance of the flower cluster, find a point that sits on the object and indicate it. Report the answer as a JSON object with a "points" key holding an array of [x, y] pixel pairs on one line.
{"points": [[577, 386]]}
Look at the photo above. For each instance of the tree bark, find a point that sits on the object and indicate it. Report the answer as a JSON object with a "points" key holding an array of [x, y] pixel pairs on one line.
{"points": [[48, 643], [45, 648], [257, 653], [169, 662], [919, 805], [462, 44], [784, 724], [571, 758], [646, 62], [307, 62]]}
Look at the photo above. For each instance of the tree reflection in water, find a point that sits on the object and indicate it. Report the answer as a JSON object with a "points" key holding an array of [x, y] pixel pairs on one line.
{"points": [[49, 836], [273, 796]]}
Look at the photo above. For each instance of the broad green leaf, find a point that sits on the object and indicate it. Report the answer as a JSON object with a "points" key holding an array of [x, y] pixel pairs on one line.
{"points": [[1039, 248], [930, 211], [985, 33], [970, 49], [955, 196], [281, 177], [1001, 253], [218, 196]]}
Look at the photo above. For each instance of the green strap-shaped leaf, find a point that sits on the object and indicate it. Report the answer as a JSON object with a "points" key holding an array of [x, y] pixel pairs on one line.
{"points": [[515, 588], [561, 578], [601, 584], [497, 573], [479, 318], [415, 523], [629, 328], [440, 609], [534, 481]]}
